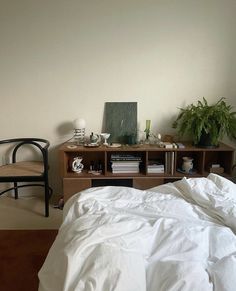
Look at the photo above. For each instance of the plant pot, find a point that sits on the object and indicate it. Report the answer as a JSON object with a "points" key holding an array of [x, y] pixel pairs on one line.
{"points": [[206, 141]]}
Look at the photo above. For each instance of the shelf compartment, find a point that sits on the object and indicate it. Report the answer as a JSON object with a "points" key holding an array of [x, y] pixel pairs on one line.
{"points": [[223, 158], [138, 154], [158, 157], [95, 157], [198, 162]]}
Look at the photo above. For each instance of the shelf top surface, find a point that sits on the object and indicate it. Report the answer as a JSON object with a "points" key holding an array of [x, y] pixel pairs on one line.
{"points": [[69, 147]]}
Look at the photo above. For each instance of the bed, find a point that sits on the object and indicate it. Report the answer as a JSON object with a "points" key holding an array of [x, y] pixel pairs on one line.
{"points": [[178, 236]]}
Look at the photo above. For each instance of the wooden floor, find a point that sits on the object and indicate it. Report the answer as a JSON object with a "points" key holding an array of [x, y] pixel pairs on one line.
{"points": [[22, 253]]}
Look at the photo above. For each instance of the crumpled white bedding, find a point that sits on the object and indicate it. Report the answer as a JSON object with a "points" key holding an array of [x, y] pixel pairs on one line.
{"points": [[175, 237]]}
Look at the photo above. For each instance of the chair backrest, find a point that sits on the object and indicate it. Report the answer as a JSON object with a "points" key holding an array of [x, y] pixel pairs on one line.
{"points": [[41, 144]]}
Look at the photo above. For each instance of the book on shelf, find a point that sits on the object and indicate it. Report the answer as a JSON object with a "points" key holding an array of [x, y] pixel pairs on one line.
{"points": [[125, 166], [167, 145], [172, 163], [156, 171], [174, 145], [155, 167], [125, 163], [169, 162], [156, 163], [215, 166], [122, 171], [125, 157], [180, 145]]}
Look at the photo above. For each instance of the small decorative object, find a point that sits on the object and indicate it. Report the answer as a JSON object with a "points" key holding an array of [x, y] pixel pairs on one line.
{"points": [[95, 168], [167, 145], [156, 139], [79, 131], [216, 168], [180, 145], [207, 124], [105, 136], [129, 139], [71, 146], [187, 165], [147, 130], [91, 167], [114, 145], [94, 138], [99, 166], [77, 166]]}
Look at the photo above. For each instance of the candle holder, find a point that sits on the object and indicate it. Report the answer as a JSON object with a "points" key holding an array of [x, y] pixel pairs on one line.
{"points": [[79, 131], [105, 137]]}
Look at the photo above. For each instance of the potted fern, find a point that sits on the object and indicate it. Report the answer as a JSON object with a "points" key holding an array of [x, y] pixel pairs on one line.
{"points": [[205, 123]]}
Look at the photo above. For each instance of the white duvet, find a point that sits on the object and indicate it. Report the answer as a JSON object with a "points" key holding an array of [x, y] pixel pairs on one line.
{"points": [[175, 237]]}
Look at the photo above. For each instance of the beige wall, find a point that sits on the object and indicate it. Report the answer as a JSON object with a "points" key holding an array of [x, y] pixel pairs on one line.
{"points": [[60, 60]]}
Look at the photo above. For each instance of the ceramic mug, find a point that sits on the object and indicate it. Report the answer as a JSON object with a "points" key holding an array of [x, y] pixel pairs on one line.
{"points": [[187, 164], [77, 166]]}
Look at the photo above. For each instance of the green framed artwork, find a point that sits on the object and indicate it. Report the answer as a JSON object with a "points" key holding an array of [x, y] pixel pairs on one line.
{"points": [[121, 122]]}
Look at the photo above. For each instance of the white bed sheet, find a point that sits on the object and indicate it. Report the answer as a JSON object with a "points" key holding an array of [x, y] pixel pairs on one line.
{"points": [[177, 236]]}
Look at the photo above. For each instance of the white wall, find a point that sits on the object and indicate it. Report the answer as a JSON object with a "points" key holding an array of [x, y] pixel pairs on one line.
{"points": [[60, 60]]}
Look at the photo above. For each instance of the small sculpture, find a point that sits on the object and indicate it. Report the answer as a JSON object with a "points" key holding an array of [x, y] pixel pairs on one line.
{"points": [[77, 166]]}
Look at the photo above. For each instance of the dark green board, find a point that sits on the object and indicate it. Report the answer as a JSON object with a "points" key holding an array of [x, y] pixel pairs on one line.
{"points": [[121, 121]]}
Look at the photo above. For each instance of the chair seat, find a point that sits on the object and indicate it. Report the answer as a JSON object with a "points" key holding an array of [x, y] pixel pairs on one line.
{"points": [[21, 169], [26, 173]]}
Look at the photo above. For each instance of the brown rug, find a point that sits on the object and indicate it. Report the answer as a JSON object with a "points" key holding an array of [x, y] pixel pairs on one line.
{"points": [[22, 253]]}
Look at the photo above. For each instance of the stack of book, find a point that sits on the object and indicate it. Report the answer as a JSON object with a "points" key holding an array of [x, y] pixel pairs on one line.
{"points": [[125, 163], [155, 167]]}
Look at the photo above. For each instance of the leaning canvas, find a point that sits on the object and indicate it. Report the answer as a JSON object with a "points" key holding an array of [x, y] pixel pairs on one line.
{"points": [[121, 121]]}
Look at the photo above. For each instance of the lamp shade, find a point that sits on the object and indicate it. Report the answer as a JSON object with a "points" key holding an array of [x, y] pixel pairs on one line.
{"points": [[79, 123]]}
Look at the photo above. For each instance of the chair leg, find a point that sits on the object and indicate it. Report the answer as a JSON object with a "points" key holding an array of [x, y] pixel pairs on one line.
{"points": [[47, 194], [16, 190]]}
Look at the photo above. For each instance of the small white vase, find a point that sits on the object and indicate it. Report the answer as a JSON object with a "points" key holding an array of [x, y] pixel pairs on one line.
{"points": [[187, 165]]}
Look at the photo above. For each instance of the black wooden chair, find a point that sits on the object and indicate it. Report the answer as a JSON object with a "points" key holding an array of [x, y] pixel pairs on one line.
{"points": [[26, 171]]}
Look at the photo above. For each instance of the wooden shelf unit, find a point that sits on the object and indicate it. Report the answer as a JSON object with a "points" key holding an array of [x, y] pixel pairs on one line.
{"points": [[202, 159]]}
